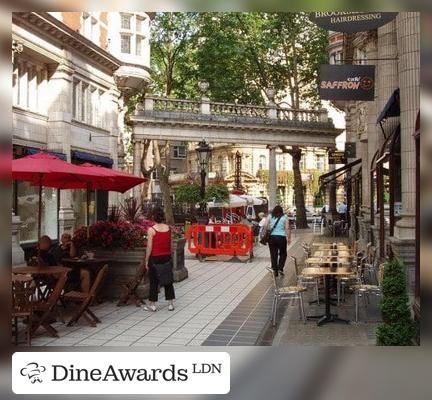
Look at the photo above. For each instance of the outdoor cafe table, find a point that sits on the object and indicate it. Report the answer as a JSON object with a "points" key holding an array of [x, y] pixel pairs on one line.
{"points": [[48, 303], [328, 253], [327, 272], [329, 246], [92, 264]]}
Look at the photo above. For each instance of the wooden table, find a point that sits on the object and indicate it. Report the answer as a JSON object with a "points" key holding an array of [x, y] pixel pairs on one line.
{"points": [[329, 246], [343, 261], [327, 272], [328, 253], [45, 305]]}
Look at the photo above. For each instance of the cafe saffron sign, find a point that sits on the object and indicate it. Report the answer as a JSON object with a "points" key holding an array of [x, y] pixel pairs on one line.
{"points": [[350, 22], [347, 82]]}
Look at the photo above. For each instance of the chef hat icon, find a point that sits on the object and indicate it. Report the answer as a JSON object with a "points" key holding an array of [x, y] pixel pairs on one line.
{"points": [[33, 371]]}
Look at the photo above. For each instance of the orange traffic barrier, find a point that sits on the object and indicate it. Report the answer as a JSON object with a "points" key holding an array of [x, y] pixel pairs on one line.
{"points": [[220, 239]]}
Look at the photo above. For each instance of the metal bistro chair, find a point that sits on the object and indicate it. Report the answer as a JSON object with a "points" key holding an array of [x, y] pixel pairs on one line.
{"points": [[23, 291], [306, 281], [363, 290], [286, 293], [318, 223]]}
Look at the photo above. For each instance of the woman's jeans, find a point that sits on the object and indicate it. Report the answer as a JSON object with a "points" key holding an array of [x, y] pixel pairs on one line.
{"points": [[154, 283], [278, 252]]}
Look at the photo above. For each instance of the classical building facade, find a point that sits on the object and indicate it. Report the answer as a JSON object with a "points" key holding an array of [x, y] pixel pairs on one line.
{"points": [[382, 177], [254, 169], [72, 72]]}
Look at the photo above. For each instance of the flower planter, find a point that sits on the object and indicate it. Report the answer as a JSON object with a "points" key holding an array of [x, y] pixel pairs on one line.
{"points": [[178, 255], [122, 268], [125, 263]]}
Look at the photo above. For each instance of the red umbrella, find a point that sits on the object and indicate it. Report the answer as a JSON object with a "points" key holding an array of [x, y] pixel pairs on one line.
{"points": [[106, 179], [40, 168]]}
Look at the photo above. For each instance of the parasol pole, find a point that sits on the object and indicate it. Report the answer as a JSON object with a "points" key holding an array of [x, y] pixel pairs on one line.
{"points": [[40, 207], [88, 209]]}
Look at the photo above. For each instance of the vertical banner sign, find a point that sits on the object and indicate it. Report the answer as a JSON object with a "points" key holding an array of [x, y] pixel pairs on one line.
{"points": [[347, 82], [350, 22]]}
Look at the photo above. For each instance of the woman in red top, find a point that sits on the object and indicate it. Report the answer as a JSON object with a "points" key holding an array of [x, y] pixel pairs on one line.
{"points": [[158, 252]]}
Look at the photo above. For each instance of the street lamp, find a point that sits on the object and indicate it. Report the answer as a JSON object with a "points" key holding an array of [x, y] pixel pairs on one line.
{"points": [[203, 151]]}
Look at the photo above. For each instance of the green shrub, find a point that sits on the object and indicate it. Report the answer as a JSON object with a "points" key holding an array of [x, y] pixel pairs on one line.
{"points": [[188, 194], [395, 334], [398, 327], [217, 193]]}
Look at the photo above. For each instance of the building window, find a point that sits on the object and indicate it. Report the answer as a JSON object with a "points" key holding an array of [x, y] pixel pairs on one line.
{"points": [[28, 86], [281, 163], [138, 45], [126, 21], [75, 98], [179, 152], [262, 162], [336, 57], [139, 24], [303, 163], [27, 203], [319, 162], [87, 103], [125, 44]]}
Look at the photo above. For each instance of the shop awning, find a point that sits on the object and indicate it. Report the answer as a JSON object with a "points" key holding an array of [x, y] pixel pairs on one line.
{"points": [[391, 109], [30, 150], [339, 171], [92, 158]]}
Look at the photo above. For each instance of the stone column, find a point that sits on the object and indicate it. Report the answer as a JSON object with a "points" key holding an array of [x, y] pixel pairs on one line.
{"points": [[137, 147], [370, 139], [403, 242], [331, 187], [272, 183], [387, 73], [59, 131]]}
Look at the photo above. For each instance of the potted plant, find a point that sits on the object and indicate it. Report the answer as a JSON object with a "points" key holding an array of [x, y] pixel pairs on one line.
{"points": [[398, 327], [123, 243]]}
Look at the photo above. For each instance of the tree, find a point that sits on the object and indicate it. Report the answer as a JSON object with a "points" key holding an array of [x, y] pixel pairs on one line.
{"points": [[295, 152], [240, 55], [282, 51], [172, 72]]}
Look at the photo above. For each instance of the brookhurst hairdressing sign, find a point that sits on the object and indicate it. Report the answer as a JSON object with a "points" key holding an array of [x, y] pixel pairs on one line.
{"points": [[347, 82], [350, 22]]}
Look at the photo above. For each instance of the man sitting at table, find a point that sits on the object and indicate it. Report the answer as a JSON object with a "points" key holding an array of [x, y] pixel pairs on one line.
{"points": [[42, 255], [66, 249]]}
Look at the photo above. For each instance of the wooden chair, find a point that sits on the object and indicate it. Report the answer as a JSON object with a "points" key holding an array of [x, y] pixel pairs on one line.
{"points": [[130, 295], [85, 300], [45, 307], [23, 292]]}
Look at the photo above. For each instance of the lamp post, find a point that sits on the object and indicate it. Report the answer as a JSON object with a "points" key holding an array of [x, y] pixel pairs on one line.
{"points": [[203, 151]]}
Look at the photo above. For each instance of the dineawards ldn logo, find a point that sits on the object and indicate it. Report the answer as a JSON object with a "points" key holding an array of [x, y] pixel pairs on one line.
{"points": [[121, 372], [33, 371]]}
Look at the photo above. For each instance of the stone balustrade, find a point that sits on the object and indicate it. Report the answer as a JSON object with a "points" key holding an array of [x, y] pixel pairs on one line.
{"points": [[206, 107]]}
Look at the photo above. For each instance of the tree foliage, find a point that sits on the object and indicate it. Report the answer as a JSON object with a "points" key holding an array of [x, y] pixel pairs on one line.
{"points": [[188, 194], [217, 193]]}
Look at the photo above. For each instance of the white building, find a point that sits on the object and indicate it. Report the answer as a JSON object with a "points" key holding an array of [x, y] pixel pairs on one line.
{"points": [[72, 72]]}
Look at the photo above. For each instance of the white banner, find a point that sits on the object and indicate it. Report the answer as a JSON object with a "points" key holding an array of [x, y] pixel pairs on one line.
{"points": [[120, 373]]}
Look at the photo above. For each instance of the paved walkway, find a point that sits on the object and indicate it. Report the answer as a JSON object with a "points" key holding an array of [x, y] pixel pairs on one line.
{"points": [[222, 303], [204, 300], [292, 331]]}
